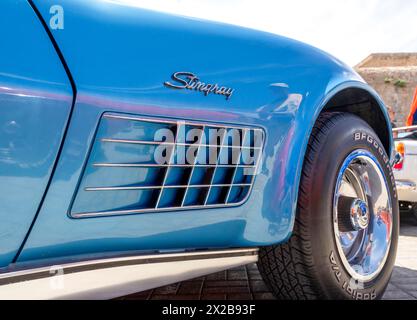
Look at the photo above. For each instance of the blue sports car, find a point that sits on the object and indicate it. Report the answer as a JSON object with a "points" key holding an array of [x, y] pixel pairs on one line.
{"points": [[138, 149]]}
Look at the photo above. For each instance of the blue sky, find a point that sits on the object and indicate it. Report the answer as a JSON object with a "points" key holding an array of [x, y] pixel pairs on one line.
{"points": [[350, 30]]}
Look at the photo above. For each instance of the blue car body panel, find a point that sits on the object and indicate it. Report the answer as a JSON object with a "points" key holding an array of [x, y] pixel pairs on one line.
{"points": [[119, 57], [35, 102]]}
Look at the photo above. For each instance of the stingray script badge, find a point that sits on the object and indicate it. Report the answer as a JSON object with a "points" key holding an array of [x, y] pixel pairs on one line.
{"points": [[188, 80]]}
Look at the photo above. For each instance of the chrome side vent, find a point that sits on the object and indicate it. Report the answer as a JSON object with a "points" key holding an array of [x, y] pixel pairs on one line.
{"points": [[144, 165]]}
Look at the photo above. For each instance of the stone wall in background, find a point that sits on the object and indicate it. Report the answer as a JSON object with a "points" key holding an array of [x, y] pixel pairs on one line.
{"points": [[394, 77]]}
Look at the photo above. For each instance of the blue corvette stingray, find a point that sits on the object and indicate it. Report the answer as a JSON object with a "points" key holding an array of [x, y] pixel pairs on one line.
{"points": [[139, 149]]}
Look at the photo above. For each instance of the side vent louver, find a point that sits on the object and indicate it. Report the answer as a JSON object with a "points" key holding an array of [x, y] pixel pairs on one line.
{"points": [[140, 165]]}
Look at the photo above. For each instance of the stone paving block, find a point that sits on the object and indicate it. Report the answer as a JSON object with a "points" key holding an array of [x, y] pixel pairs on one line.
{"points": [[239, 296], [214, 296], [398, 281], [217, 276], [258, 286], [144, 295], [229, 283], [411, 286], [236, 268], [190, 287], [254, 275], [397, 295], [264, 296], [403, 274], [170, 289], [237, 275], [243, 289], [392, 287], [175, 297], [252, 267]]}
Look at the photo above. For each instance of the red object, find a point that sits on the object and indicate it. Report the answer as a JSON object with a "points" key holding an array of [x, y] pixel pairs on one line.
{"points": [[400, 148], [399, 166], [412, 117]]}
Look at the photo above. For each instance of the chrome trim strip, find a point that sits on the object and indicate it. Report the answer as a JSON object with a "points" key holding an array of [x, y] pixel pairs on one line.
{"points": [[152, 210], [150, 165], [405, 185], [109, 278], [167, 187], [192, 123], [163, 143], [401, 129]]}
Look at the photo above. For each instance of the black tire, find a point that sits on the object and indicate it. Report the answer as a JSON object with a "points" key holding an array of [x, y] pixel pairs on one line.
{"points": [[309, 266]]}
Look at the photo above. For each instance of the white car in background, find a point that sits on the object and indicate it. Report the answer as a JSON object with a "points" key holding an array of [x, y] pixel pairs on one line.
{"points": [[405, 169]]}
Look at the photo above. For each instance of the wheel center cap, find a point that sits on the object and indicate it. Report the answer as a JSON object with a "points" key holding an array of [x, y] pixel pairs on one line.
{"points": [[359, 214]]}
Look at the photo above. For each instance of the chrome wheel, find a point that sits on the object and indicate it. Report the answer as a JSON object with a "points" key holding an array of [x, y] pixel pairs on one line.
{"points": [[362, 215]]}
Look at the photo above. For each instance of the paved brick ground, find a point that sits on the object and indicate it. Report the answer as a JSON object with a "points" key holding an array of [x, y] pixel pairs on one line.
{"points": [[403, 283], [245, 283]]}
